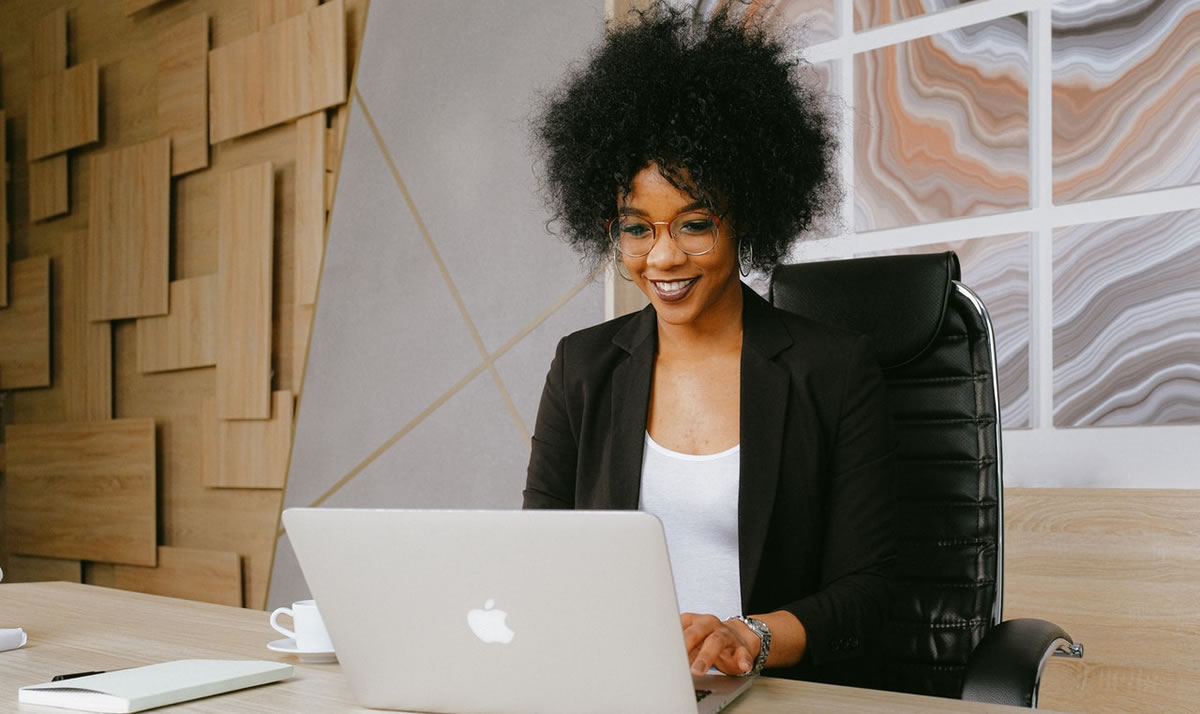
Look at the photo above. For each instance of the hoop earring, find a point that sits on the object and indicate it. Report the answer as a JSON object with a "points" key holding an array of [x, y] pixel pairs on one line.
{"points": [[745, 258]]}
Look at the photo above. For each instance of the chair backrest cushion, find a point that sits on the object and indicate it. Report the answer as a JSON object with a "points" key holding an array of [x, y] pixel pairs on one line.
{"points": [[933, 341]]}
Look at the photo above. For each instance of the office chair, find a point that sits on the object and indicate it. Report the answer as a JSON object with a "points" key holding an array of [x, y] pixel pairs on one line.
{"points": [[934, 342]]}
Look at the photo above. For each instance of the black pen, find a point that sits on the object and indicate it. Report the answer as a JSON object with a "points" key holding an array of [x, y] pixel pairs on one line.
{"points": [[61, 677]]}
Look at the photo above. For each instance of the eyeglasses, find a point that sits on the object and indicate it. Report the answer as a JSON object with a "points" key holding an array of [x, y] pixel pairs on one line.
{"points": [[694, 233]]}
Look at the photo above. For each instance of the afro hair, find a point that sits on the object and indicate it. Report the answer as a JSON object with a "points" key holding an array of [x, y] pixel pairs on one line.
{"points": [[720, 104]]}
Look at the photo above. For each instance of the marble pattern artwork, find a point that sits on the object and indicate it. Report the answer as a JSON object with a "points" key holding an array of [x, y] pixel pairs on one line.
{"points": [[874, 13], [941, 126], [1127, 322], [996, 268], [1126, 89], [817, 19]]}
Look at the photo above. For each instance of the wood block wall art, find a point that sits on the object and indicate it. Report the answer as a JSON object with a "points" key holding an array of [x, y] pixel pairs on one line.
{"points": [[134, 6], [25, 326], [129, 231], [82, 490], [48, 188], [64, 110], [35, 569], [269, 12], [183, 92], [87, 359], [245, 225], [186, 336], [48, 44], [3, 212], [310, 205], [248, 453], [206, 575], [301, 68], [48, 177]]}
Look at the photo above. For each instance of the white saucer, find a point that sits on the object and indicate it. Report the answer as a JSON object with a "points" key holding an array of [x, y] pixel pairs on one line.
{"points": [[288, 646]]}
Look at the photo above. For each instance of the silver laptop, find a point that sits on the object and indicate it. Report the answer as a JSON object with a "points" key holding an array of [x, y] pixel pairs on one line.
{"points": [[502, 611]]}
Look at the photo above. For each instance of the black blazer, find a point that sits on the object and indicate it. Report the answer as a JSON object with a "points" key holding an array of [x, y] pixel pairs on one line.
{"points": [[816, 498]]}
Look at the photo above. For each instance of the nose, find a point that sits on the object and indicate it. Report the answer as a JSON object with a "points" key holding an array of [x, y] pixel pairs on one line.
{"points": [[664, 253]]}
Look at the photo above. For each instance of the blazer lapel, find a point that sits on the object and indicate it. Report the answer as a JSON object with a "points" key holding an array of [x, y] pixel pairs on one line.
{"points": [[631, 383], [763, 410]]}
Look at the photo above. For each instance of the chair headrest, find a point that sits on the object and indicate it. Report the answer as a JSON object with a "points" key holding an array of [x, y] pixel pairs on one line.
{"points": [[898, 301]]}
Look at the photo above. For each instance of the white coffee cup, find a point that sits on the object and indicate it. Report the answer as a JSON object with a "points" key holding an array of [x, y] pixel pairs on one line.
{"points": [[310, 633]]}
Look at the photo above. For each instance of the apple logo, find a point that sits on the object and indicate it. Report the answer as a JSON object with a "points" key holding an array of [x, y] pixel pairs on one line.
{"points": [[488, 624]]}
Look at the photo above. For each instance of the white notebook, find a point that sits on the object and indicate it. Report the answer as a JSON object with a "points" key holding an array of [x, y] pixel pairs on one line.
{"points": [[155, 685]]}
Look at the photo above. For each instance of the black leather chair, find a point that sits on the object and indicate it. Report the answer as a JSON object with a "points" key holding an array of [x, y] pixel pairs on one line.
{"points": [[934, 341]]}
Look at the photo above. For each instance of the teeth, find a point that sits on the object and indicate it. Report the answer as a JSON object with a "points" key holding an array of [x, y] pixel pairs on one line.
{"points": [[673, 285]]}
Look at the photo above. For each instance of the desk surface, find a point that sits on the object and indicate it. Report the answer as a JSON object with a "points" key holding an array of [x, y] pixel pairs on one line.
{"points": [[74, 628]]}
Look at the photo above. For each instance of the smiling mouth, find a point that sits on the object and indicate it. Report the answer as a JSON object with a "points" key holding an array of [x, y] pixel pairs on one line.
{"points": [[673, 290]]}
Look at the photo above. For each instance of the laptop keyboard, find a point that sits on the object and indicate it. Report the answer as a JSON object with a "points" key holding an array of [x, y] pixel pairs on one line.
{"points": [[702, 693]]}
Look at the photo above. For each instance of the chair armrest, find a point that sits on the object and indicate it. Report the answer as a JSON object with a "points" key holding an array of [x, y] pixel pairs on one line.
{"points": [[1006, 667]]}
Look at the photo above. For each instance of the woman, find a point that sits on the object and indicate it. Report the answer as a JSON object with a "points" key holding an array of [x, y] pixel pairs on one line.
{"points": [[689, 151]]}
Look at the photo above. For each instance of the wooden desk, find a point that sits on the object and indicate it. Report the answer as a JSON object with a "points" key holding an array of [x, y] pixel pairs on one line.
{"points": [[76, 628]]}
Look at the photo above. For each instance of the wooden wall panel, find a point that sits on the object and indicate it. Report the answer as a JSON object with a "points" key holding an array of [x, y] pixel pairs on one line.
{"points": [[48, 43], [245, 267], [310, 205], [302, 69], [185, 337], [48, 195], [251, 453], [86, 364], [48, 177], [302, 319], [269, 12], [129, 220], [34, 569], [183, 92], [1117, 569], [207, 575], [83, 490], [132, 6], [3, 211], [64, 110], [25, 326]]}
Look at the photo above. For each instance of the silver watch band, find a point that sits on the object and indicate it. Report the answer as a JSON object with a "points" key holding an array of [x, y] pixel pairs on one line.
{"points": [[759, 628]]}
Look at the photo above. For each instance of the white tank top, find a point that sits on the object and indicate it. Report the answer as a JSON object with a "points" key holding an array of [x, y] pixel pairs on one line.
{"points": [[696, 498]]}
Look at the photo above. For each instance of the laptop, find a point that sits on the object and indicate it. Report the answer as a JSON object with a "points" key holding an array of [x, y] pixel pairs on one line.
{"points": [[502, 611]]}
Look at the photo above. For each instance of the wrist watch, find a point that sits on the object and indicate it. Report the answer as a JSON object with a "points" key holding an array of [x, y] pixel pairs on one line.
{"points": [[759, 628]]}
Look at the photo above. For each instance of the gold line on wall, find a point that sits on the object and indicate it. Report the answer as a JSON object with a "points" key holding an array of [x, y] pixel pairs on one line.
{"points": [[86, 370], [437, 257], [521, 334], [133, 6], [183, 92], [245, 228]]}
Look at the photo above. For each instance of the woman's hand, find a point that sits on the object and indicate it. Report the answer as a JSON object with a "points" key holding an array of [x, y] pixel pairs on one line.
{"points": [[730, 646]]}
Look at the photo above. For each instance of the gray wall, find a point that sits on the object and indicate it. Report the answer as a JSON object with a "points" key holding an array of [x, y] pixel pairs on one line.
{"points": [[442, 295]]}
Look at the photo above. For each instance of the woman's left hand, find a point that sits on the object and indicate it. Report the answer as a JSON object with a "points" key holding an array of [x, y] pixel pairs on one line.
{"points": [[730, 646]]}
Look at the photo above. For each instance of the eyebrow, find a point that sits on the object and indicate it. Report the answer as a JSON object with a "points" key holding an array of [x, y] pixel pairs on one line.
{"points": [[694, 205]]}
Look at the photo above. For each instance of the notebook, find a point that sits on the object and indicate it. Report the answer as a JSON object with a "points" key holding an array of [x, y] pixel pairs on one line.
{"points": [[498, 611], [155, 685]]}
